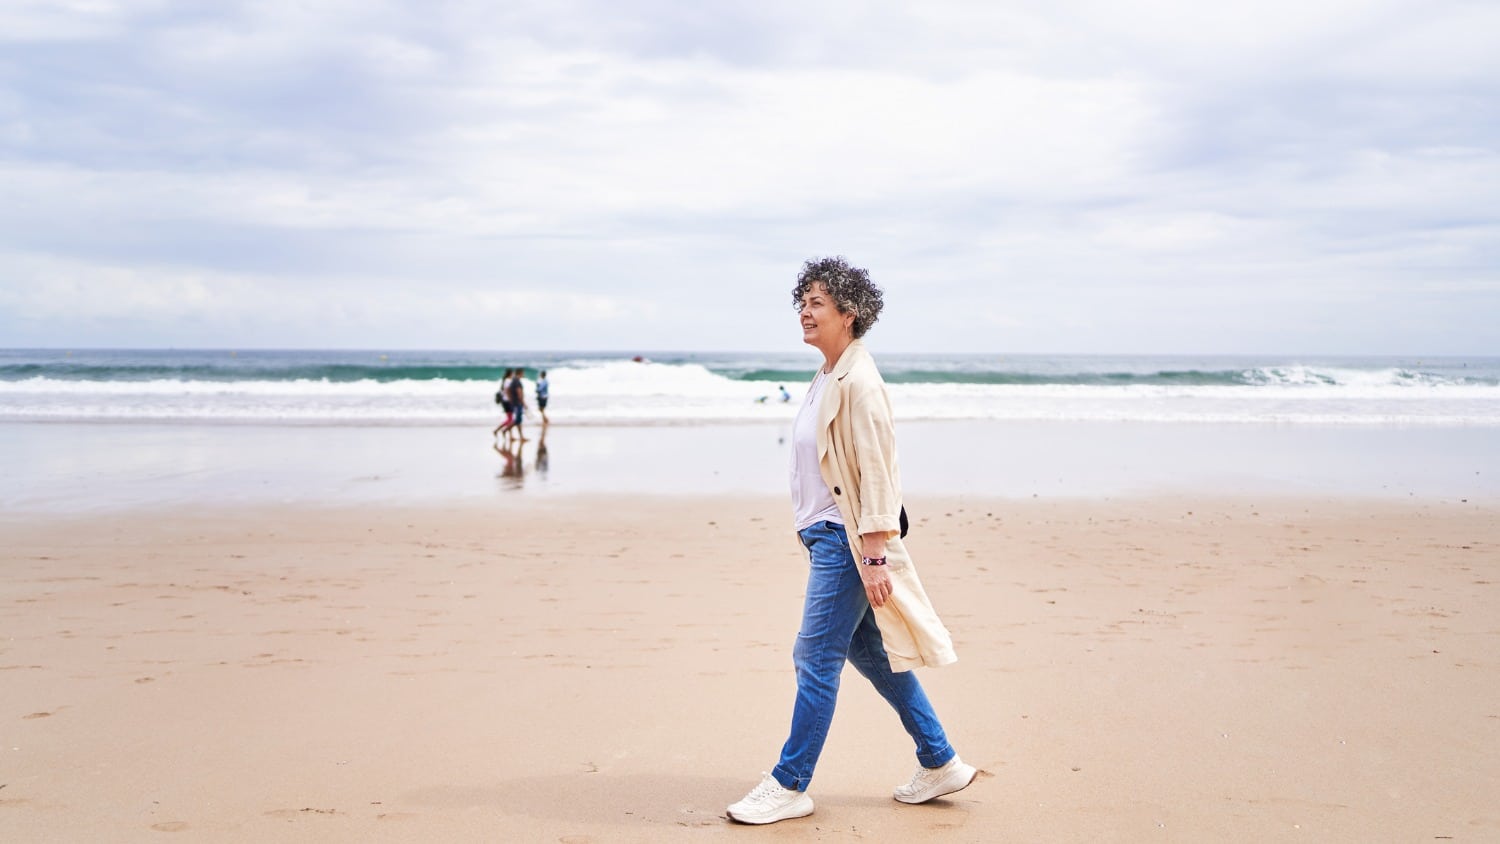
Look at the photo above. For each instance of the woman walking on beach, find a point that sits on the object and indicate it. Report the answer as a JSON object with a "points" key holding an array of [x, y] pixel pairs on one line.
{"points": [[864, 602], [502, 398], [515, 391]]}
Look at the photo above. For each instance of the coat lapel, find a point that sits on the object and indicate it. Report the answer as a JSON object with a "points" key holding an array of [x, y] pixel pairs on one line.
{"points": [[833, 397]]}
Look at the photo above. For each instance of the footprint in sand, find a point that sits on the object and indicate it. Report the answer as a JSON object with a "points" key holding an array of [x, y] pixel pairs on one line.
{"points": [[292, 813]]}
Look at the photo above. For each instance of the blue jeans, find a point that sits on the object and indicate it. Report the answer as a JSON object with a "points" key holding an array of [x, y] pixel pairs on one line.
{"points": [[837, 624]]}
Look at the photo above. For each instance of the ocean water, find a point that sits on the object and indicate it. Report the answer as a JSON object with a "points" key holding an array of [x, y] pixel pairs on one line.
{"points": [[310, 387]]}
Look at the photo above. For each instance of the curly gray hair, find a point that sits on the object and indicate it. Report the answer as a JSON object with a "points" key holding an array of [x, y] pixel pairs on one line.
{"points": [[849, 287]]}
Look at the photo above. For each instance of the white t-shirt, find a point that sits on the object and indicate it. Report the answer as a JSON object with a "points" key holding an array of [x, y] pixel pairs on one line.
{"points": [[812, 500]]}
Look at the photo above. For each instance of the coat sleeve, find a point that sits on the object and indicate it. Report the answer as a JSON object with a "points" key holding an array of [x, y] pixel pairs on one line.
{"points": [[874, 436]]}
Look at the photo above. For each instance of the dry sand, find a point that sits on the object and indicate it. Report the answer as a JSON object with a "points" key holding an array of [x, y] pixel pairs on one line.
{"points": [[618, 669]]}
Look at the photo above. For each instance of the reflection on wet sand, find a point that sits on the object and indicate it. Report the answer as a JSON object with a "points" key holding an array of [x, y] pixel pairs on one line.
{"points": [[513, 472]]}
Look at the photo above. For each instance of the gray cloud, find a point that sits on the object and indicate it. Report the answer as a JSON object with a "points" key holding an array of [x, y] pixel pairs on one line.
{"points": [[1163, 177]]}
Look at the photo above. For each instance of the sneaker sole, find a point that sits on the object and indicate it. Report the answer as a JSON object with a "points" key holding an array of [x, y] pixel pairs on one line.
{"points": [[795, 811], [950, 786]]}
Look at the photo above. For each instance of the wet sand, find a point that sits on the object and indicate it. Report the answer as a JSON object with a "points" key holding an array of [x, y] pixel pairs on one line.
{"points": [[71, 468], [617, 668]]}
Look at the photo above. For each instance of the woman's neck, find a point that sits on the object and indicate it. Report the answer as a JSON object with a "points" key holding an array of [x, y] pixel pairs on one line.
{"points": [[832, 353]]}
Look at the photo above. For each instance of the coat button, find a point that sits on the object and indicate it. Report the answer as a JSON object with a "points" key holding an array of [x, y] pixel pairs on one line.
{"points": [[837, 491]]}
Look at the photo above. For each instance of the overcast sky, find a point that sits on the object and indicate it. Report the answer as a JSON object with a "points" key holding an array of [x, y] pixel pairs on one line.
{"points": [[1143, 176]]}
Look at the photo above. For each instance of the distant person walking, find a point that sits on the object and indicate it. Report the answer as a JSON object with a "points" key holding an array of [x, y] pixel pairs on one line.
{"points": [[503, 399], [515, 392], [542, 388]]}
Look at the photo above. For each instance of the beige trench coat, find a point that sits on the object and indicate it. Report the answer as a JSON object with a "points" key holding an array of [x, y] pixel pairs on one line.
{"points": [[857, 458]]}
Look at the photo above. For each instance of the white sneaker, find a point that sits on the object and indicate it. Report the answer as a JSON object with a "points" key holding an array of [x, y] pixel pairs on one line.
{"points": [[769, 802], [928, 783]]}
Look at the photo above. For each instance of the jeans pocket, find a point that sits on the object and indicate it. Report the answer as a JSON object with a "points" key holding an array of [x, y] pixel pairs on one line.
{"points": [[818, 530]]}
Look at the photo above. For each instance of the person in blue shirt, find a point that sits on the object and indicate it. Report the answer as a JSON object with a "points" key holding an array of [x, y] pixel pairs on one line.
{"points": [[541, 395]]}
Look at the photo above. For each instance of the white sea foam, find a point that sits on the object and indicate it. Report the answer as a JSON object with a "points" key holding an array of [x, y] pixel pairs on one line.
{"points": [[626, 392], [1330, 376]]}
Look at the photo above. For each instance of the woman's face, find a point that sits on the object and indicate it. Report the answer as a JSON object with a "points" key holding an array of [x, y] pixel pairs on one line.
{"points": [[822, 324]]}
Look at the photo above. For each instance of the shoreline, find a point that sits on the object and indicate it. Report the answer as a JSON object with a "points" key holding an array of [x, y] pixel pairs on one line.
{"points": [[63, 468]]}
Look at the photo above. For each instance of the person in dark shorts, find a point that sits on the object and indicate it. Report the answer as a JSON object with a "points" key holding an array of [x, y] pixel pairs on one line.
{"points": [[503, 399], [541, 395], [516, 393]]}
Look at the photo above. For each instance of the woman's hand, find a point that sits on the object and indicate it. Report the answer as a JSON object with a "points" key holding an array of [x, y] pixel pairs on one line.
{"points": [[877, 580]]}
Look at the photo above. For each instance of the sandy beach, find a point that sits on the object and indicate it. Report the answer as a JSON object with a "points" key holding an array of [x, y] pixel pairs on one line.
{"points": [[402, 405], [610, 668]]}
